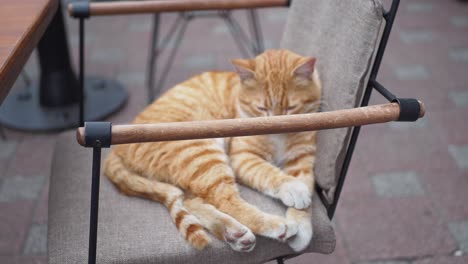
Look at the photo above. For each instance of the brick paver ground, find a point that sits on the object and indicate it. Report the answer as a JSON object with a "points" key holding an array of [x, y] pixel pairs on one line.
{"points": [[406, 197]]}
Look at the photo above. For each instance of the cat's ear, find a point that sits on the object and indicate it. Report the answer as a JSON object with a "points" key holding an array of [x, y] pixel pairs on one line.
{"points": [[245, 69], [305, 69]]}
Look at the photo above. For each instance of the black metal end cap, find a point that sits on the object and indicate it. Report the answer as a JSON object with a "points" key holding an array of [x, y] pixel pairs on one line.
{"points": [[288, 2], [98, 134], [79, 9], [409, 109]]}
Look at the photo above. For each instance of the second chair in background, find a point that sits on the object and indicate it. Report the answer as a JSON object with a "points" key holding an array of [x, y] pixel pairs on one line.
{"points": [[248, 45]]}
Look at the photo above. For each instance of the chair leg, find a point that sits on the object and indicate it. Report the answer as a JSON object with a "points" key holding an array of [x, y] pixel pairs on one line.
{"points": [[176, 33], [256, 32], [242, 42], [94, 208], [153, 53], [179, 35], [247, 46]]}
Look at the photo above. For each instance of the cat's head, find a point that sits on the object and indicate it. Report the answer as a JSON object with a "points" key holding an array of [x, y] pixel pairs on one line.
{"points": [[278, 82]]}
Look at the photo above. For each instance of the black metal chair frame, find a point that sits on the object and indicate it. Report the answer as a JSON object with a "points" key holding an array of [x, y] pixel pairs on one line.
{"points": [[98, 134]]}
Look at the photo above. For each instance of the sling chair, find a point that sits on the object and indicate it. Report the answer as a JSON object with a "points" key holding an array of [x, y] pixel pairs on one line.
{"points": [[349, 39]]}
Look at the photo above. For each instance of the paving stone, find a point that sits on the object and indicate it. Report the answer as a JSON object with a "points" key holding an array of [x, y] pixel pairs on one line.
{"points": [[3, 168], [460, 155], [460, 233], [450, 128], [23, 260], [419, 7], [384, 150], [385, 262], [411, 72], [42, 206], [36, 241], [33, 156], [459, 21], [397, 228], [20, 188], [420, 123], [460, 98], [220, 29], [14, 222], [7, 149], [141, 25], [270, 44], [279, 16], [416, 36], [132, 78], [443, 260], [200, 61], [109, 55], [448, 191], [397, 184], [459, 55]]}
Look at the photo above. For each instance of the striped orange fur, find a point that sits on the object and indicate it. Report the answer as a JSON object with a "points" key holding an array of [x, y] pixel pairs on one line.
{"points": [[277, 82]]}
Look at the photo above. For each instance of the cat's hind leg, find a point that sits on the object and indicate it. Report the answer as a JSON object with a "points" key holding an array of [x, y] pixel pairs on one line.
{"points": [[226, 198], [202, 168], [172, 197], [221, 225]]}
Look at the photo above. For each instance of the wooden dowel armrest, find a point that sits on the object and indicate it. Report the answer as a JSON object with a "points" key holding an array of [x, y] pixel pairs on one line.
{"points": [[139, 133], [139, 7]]}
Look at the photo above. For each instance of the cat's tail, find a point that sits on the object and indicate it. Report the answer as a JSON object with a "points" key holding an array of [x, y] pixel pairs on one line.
{"points": [[172, 197]]}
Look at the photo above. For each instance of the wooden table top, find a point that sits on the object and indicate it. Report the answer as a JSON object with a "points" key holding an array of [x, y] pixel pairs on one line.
{"points": [[22, 23]]}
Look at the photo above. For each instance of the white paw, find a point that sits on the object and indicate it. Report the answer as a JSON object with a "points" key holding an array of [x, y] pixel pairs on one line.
{"points": [[291, 231], [295, 194], [240, 239], [282, 230], [303, 237]]}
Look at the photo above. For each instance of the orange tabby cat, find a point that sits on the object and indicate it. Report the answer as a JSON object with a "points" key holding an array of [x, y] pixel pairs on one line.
{"points": [[277, 82]]}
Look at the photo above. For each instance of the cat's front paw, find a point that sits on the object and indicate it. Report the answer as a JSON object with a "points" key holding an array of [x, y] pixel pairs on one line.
{"points": [[295, 194], [280, 229], [302, 239]]}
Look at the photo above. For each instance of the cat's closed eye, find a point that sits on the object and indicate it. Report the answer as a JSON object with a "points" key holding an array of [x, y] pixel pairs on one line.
{"points": [[261, 108], [292, 107]]}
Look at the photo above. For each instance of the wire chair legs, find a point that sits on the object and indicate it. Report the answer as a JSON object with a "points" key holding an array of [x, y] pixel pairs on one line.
{"points": [[255, 31], [98, 136], [175, 35], [93, 218], [248, 45]]}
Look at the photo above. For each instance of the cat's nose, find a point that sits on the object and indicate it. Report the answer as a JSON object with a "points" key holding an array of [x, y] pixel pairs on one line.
{"points": [[278, 111]]}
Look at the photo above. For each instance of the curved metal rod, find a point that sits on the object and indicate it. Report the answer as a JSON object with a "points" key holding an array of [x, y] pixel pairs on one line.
{"points": [[140, 133]]}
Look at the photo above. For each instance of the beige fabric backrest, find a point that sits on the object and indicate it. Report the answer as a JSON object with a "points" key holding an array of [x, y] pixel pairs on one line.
{"points": [[343, 35]]}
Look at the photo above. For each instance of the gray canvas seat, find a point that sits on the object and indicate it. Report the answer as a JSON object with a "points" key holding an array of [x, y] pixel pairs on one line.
{"points": [[134, 230], [343, 35]]}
